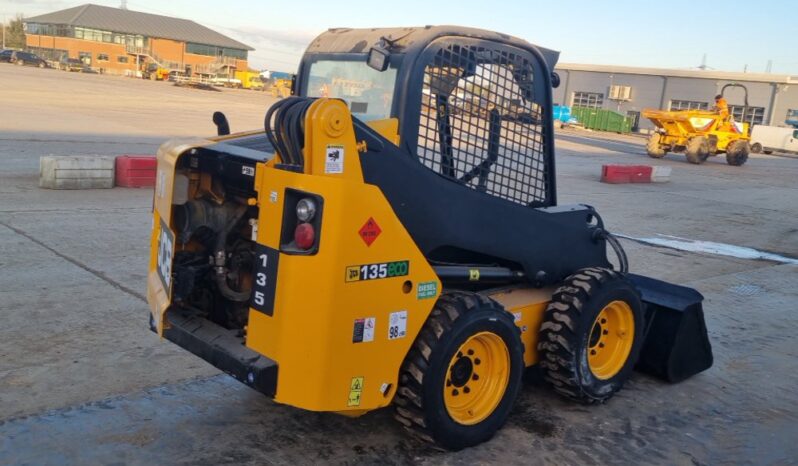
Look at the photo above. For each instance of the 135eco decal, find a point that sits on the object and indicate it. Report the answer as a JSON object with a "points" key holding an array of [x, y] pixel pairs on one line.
{"points": [[359, 273]]}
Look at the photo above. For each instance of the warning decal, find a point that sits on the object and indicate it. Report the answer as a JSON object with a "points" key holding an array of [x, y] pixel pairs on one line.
{"points": [[334, 160], [370, 231], [364, 330], [355, 391]]}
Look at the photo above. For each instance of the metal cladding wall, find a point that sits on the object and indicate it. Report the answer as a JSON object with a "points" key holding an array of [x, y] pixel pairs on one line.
{"points": [[657, 91]]}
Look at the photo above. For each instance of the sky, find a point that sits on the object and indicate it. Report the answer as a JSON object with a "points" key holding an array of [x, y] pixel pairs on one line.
{"points": [[734, 35]]}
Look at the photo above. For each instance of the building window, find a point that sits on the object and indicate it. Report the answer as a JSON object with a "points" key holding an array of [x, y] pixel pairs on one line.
{"points": [[754, 115], [621, 93], [85, 57], [102, 57], [792, 117], [213, 51], [588, 99], [688, 105], [121, 59]]}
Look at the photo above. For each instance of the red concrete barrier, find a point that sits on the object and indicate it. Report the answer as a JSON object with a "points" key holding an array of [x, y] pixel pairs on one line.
{"points": [[136, 171], [626, 174]]}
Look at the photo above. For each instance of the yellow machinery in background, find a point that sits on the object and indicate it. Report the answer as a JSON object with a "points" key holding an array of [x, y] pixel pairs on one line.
{"points": [[250, 80], [281, 88], [360, 251], [699, 134]]}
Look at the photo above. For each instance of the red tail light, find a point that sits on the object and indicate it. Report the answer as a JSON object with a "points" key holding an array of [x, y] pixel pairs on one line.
{"points": [[304, 236]]}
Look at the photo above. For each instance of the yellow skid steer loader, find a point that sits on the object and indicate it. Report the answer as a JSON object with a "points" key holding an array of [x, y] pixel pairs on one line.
{"points": [[392, 237]]}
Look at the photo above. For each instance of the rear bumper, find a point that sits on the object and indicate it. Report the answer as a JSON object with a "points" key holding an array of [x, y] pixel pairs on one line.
{"points": [[222, 348]]}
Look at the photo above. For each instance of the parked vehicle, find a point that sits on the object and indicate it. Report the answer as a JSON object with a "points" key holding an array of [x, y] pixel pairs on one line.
{"points": [[154, 72], [70, 64], [773, 138], [27, 59], [5, 56]]}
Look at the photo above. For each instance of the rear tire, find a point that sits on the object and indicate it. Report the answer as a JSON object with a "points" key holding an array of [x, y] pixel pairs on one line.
{"points": [[756, 148], [737, 152], [461, 377], [591, 335], [697, 150], [653, 149], [767, 152]]}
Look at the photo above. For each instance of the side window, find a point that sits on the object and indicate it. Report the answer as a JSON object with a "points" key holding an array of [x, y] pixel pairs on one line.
{"points": [[795, 134], [482, 121]]}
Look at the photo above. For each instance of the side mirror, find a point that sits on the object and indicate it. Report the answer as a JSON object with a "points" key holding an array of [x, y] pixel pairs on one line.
{"points": [[379, 58], [555, 80]]}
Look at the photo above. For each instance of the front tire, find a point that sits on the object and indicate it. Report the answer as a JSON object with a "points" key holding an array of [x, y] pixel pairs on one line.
{"points": [[653, 149], [461, 378], [591, 335], [756, 148], [697, 150], [737, 152]]}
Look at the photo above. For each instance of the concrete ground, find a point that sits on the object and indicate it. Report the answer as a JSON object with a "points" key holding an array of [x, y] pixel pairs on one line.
{"points": [[82, 380]]}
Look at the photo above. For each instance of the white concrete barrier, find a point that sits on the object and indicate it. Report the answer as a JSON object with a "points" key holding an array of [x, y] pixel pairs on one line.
{"points": [[661, 174], [76, 172]]}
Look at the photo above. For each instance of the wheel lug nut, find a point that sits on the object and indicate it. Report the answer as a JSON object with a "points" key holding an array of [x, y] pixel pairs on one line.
{"points": [[455, 392], [601, 345], [448, 383], [459, 354], [470, 352], [466, 390], [474, 377], [477, 361], [605, 332], [603, 321], [593, 352]]}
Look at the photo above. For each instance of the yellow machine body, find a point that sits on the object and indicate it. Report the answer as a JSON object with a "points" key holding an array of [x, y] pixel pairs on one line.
{"points": [[322, 304], [677, 127]]}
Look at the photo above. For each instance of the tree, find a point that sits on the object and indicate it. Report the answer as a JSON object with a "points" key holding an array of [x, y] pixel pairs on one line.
{"points": [[15, 34]]}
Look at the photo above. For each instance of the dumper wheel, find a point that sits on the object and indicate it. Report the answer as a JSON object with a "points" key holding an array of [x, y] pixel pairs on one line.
{"points": [[737, 152], [697, 150], [756, 148], [653, 149], [591, 335], [461, 377]]}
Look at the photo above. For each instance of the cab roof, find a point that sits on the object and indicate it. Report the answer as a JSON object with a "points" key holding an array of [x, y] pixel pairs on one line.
{"points": [[412, 40]]}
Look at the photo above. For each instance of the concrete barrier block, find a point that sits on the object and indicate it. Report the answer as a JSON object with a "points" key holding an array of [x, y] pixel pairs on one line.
{"points": [[76, 172], [660, 174]]}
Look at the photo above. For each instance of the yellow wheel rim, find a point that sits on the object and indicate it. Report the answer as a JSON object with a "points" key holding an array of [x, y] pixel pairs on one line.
{"points": [[611, 339], [477, 378]]}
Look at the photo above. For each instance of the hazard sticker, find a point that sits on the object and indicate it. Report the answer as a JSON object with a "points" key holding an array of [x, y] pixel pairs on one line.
{"points": [[397, 325], [355, 391], [369, 231], [334, 160], [364, 330]]}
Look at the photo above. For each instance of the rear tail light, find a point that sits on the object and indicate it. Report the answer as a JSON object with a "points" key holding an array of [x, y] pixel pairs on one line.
{"points": [[305, 236], [301, 228]]}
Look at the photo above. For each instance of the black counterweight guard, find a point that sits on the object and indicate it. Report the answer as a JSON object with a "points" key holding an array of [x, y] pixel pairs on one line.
{"points": [[676, 344]]}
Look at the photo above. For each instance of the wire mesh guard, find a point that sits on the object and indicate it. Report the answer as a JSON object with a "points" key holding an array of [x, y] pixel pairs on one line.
{"points": [[480, 124]]}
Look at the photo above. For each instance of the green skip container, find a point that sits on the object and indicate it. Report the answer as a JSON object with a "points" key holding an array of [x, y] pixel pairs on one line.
{"points": [[602, 120]]}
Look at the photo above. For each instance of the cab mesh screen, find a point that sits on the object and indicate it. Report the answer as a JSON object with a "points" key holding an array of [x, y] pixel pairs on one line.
{"points": [[480, 124]]}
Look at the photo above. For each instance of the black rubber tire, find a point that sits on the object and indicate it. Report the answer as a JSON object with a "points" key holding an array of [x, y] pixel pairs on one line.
{"points": [[767, 151], [697, 150], [419, 398], [737, 152], [756, 148], [567, 324], [653, 148]]}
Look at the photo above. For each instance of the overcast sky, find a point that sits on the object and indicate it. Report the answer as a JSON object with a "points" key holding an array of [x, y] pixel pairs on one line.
{"points": [[665, 34]]}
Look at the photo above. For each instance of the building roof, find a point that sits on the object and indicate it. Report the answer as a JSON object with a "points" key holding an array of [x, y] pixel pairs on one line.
{"points": [[701, 74], [136, 22]]}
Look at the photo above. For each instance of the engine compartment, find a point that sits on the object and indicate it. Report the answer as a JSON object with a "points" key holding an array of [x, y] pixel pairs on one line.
{"points": [[215, 223]]}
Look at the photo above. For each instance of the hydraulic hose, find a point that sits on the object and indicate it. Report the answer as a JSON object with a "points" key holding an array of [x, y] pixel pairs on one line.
{"points": [[220, 259], [623, 261]]}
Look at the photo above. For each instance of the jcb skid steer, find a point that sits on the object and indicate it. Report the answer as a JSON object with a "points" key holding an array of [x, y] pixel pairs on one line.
{"points": [[393, 236]]}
